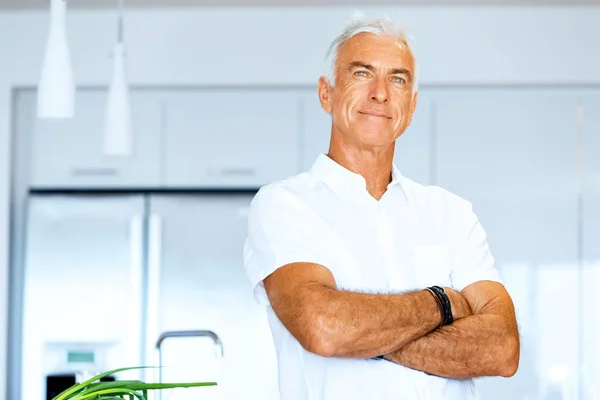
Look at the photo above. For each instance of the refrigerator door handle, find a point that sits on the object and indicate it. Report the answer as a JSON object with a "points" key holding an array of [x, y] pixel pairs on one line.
{"points": [[187, 334], [136, 273], [153, 285]]}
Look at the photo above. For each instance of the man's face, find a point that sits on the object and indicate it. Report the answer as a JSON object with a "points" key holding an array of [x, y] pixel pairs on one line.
{"points": [[372, 101]]}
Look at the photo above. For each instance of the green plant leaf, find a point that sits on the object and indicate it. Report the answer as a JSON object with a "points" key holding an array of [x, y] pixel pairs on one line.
{"points": [[93, 387], [93, 390], [139, 385], [74, 389], [119, 392]]}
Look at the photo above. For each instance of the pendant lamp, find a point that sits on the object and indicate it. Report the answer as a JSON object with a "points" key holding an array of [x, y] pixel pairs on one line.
{"points": [[56, 87], [118, 124]]}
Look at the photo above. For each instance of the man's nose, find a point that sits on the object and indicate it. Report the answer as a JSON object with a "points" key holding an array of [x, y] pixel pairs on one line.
{"points": [[379, 91]]}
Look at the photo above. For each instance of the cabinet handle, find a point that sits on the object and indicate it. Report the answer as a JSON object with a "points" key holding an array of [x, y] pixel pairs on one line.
{"points": [[94, 172], [237, 171]]}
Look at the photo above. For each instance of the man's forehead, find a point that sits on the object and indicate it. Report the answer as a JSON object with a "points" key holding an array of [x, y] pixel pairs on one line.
{"points": [[370, 39], [377, 59], [377, 47]]}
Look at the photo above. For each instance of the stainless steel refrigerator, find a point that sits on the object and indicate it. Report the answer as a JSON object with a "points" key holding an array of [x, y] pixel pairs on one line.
{"points": [[107, 274]]}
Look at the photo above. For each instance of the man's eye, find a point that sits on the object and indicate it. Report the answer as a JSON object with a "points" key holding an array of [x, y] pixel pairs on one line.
{"points": [[399, 79], [360, 73]]}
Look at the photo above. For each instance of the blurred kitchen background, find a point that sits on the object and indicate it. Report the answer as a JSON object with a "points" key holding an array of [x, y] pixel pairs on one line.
{"points": [[122, 227]]}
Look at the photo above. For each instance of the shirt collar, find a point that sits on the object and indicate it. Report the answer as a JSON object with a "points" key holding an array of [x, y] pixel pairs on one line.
{"points": [[338, 177]]}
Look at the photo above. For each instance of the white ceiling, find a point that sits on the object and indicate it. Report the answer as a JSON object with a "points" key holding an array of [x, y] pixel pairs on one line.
{"points": [[33, 4]]}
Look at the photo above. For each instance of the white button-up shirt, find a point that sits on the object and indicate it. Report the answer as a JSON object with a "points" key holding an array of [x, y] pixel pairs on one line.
{"points": [[413, 237]]}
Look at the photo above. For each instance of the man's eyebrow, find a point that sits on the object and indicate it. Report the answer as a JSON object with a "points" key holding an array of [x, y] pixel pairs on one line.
{"points": [[400, 71], [362, 64], [393, 71]]}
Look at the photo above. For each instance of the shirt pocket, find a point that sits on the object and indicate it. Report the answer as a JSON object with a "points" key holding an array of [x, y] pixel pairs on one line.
{"points": [[432, 265]]}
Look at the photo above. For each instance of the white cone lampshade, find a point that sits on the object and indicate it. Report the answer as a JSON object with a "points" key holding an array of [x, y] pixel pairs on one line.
{"points": [[56, 88], [118, 128]]}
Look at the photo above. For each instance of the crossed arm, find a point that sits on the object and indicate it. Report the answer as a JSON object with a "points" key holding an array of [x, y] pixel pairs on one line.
{"points": [[483, 340]]}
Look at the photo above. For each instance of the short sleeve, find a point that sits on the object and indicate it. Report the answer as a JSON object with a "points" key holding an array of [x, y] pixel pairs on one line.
{"points": [[474, 261], [282, 230]]}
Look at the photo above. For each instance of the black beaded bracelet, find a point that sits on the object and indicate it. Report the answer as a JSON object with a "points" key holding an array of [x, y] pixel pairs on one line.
{"points": [[444, 303]]}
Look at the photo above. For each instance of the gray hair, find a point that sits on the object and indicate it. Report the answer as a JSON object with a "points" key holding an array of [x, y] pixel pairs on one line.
{"points": [[360, 24]]}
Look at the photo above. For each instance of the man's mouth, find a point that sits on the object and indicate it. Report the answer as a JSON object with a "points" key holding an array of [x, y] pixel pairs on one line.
{"points": [[375, 114]]}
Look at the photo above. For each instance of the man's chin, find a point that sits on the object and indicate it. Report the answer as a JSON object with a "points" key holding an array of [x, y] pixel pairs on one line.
{"points": [[377, 142]]}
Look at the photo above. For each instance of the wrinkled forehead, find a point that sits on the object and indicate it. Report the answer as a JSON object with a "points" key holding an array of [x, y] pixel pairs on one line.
{"points": [[377, 50]]}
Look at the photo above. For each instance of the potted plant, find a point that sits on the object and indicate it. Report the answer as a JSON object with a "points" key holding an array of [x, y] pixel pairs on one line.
{"points": [[93, 389]]}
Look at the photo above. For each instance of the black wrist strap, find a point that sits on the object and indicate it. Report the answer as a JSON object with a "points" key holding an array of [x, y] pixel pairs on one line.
{"points": [[444, 304], [440, 306]]}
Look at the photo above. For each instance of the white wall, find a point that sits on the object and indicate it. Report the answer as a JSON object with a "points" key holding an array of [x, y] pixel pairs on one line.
{"points": [[268, 46]]}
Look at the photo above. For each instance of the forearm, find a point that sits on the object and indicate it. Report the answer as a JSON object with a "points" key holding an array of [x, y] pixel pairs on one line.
{"points": [[479, 345], [364, 325]]}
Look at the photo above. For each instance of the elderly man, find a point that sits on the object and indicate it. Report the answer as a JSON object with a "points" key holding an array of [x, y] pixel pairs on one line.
{"points": [[376, 287]]}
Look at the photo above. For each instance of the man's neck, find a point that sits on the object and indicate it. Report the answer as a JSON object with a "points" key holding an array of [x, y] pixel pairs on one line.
{"points": [[375, 165]]}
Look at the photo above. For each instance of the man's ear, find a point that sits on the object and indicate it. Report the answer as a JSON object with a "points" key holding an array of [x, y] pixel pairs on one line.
{"points": [[324, 90]]}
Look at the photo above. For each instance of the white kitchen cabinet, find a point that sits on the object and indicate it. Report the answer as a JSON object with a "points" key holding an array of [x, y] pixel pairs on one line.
{"points": [[590, 242], [513, 154], [68, 153], [316, 129], [230, 138], [591, 178], [413, 154]]}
